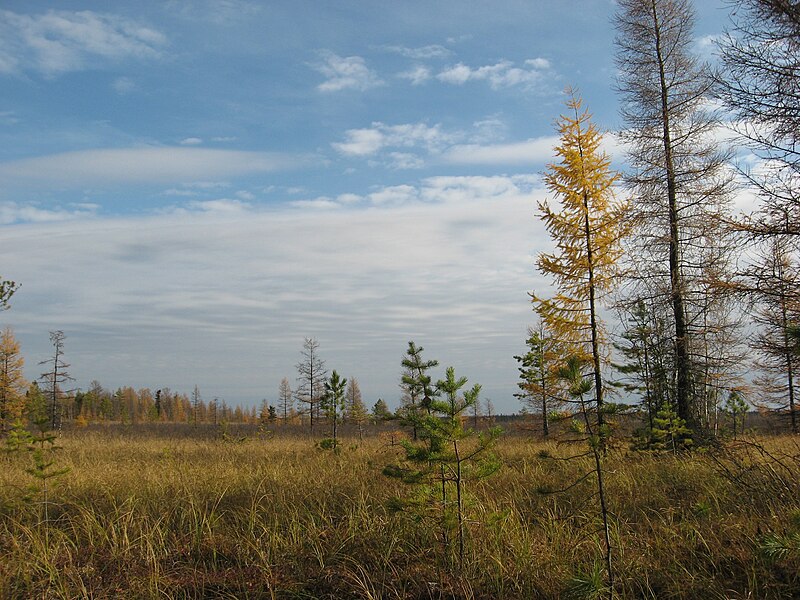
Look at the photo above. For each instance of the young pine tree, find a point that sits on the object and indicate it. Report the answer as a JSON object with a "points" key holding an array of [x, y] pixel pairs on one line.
{"points": [[333, 405], [538, 382], [444, 459]]}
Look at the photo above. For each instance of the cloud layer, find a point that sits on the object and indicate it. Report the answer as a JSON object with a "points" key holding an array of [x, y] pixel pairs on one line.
{"points": [[176, 299], [141, 165]]}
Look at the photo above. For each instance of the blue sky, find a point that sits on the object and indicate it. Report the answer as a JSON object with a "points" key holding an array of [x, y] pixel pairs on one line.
{"points": [[189, 188]]}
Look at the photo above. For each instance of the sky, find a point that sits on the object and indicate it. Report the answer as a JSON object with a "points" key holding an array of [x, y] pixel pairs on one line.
{"points": [[190, 188]]}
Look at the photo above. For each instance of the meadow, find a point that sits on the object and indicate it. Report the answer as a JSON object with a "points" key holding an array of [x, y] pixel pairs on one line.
{"points": [[171, 514]]}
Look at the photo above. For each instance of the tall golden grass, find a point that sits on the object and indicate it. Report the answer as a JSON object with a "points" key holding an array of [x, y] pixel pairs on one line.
{"points": [[179, 517]]}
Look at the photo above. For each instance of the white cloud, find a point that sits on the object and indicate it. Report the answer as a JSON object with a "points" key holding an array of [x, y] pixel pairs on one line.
{"points": [[457, 75], [529, 152], [394, 195], [361, 142], [149, 164], [191, 141], [538, 63], [61, 41], [417, 75], [320, 203], [223, 205], [349, 198], [422, 52], [123, 85], [500, 75], [380, 136], [12, 212], [343, 73], [219, 12], [405, 160]]}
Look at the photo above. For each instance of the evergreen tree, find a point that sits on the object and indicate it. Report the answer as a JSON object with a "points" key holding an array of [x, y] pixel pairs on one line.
{"points": [[333, 403], [441, 465], [416, 382], [538, 383]]}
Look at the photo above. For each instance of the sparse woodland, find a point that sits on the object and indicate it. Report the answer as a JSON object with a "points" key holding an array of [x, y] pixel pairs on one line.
{"points": [[657, 455]]}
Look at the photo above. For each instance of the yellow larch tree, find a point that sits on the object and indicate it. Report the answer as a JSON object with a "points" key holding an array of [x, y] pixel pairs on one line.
{"points": [[587, 229], [12, 380]]}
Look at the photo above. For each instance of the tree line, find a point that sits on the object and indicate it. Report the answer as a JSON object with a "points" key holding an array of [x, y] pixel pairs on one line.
{"points": [[704, 297]]}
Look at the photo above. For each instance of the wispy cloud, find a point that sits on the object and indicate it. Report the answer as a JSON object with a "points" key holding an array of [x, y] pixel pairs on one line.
{"points": [[13, 212], [379, 136], [411, 145], [345, 73], [150, 164], [219, 12], [123, 85], [61, 41], [421, 52], [417, 75], [503, 74], [534, 151]]}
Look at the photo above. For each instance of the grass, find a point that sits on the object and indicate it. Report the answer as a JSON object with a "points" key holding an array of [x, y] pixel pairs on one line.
{"points": [[180, 517]]}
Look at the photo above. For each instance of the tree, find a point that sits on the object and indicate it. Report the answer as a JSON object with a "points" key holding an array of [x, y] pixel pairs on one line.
{"points": [[415, 381], [772, 285], [285, 401], [380, 410], [578, 386], [443, 463], [737, 407], [55, 377], [12, 381], [197, 406], [760, 83], [333, 403], [311, 374], [588, 231], [678, 176], [356, 411], [7, 289], [538, 383]]}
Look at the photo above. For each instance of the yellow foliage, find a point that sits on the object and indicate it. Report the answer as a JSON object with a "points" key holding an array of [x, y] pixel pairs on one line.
{"points": [[587, 227], [12, 381]]}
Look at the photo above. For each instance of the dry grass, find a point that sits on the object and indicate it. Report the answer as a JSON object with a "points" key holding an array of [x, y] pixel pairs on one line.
{"points": [[173, 517]]}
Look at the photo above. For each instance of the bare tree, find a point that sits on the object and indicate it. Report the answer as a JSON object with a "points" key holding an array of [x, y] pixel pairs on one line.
{"points": [[55, 377], [678, 176], [311, 374], [760, 83], [773, 288], [285, 401]]}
